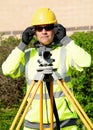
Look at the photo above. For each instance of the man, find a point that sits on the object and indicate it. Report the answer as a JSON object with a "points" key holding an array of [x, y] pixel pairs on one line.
{"points": [[52, 37]]}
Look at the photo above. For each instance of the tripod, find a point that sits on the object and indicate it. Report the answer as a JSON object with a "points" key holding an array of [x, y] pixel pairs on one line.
{"points": [[49, 74]]}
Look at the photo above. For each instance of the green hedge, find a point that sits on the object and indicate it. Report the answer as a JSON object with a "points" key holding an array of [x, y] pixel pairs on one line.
{"points": [[82, 81]]}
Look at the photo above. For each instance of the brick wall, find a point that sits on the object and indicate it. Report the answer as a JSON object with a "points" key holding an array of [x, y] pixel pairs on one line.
{"points": [[75, 15]]}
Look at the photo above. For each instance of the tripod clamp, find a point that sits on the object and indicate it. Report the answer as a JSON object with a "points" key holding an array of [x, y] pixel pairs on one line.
{"points": [[47, 74]]}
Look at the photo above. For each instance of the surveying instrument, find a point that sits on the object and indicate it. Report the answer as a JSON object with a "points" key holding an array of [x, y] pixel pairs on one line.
{"points": [[48, 74]]}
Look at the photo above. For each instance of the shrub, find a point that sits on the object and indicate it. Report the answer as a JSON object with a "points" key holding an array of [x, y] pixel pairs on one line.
{"points": [[83, 81]]}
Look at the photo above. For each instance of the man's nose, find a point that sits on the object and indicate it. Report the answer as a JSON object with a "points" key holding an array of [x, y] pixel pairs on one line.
{"points": [[43, 30]]}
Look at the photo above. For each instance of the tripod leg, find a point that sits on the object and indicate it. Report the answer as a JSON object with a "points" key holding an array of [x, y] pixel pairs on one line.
{"points": [[51, 105], [41, 106], [21, 107], [28, 105], [76, 105], [53, 108]]}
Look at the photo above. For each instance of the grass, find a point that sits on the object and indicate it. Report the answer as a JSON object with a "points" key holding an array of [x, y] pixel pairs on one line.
{"points": [[7, 116]]}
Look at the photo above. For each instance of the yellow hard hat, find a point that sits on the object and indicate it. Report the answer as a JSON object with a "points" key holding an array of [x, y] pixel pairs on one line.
{"points": [[43, 16]]}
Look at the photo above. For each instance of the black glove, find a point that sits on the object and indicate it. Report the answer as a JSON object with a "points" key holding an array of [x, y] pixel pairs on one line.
{"points": [[28, 35], [60, 32]]}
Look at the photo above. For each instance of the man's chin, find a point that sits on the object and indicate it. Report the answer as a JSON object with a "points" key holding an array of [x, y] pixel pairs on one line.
{"points": [[46, 43]]}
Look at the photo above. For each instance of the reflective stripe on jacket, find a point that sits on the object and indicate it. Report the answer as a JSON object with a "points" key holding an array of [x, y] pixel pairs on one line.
{"points": [[65, 123]]}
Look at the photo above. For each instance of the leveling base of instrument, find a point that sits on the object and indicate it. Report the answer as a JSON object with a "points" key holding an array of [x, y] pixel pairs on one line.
{"points": [[40, 77]]}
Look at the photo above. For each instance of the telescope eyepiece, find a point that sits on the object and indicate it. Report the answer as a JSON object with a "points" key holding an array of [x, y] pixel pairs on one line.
{"points": [[46, 54], [45, 58]]}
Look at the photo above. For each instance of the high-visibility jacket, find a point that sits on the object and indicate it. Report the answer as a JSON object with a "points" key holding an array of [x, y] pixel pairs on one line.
{"points": [[66, 56]]}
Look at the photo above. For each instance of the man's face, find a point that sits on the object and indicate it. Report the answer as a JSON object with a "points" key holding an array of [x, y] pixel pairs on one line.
{"points": [[45, 33]]}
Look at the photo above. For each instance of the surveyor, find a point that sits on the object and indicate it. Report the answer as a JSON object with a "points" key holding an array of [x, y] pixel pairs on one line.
{"points": [[52, 36]]}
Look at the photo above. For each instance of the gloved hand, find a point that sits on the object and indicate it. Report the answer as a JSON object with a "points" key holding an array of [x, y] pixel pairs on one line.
{"points": [[28, 35], [60, 32]]}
